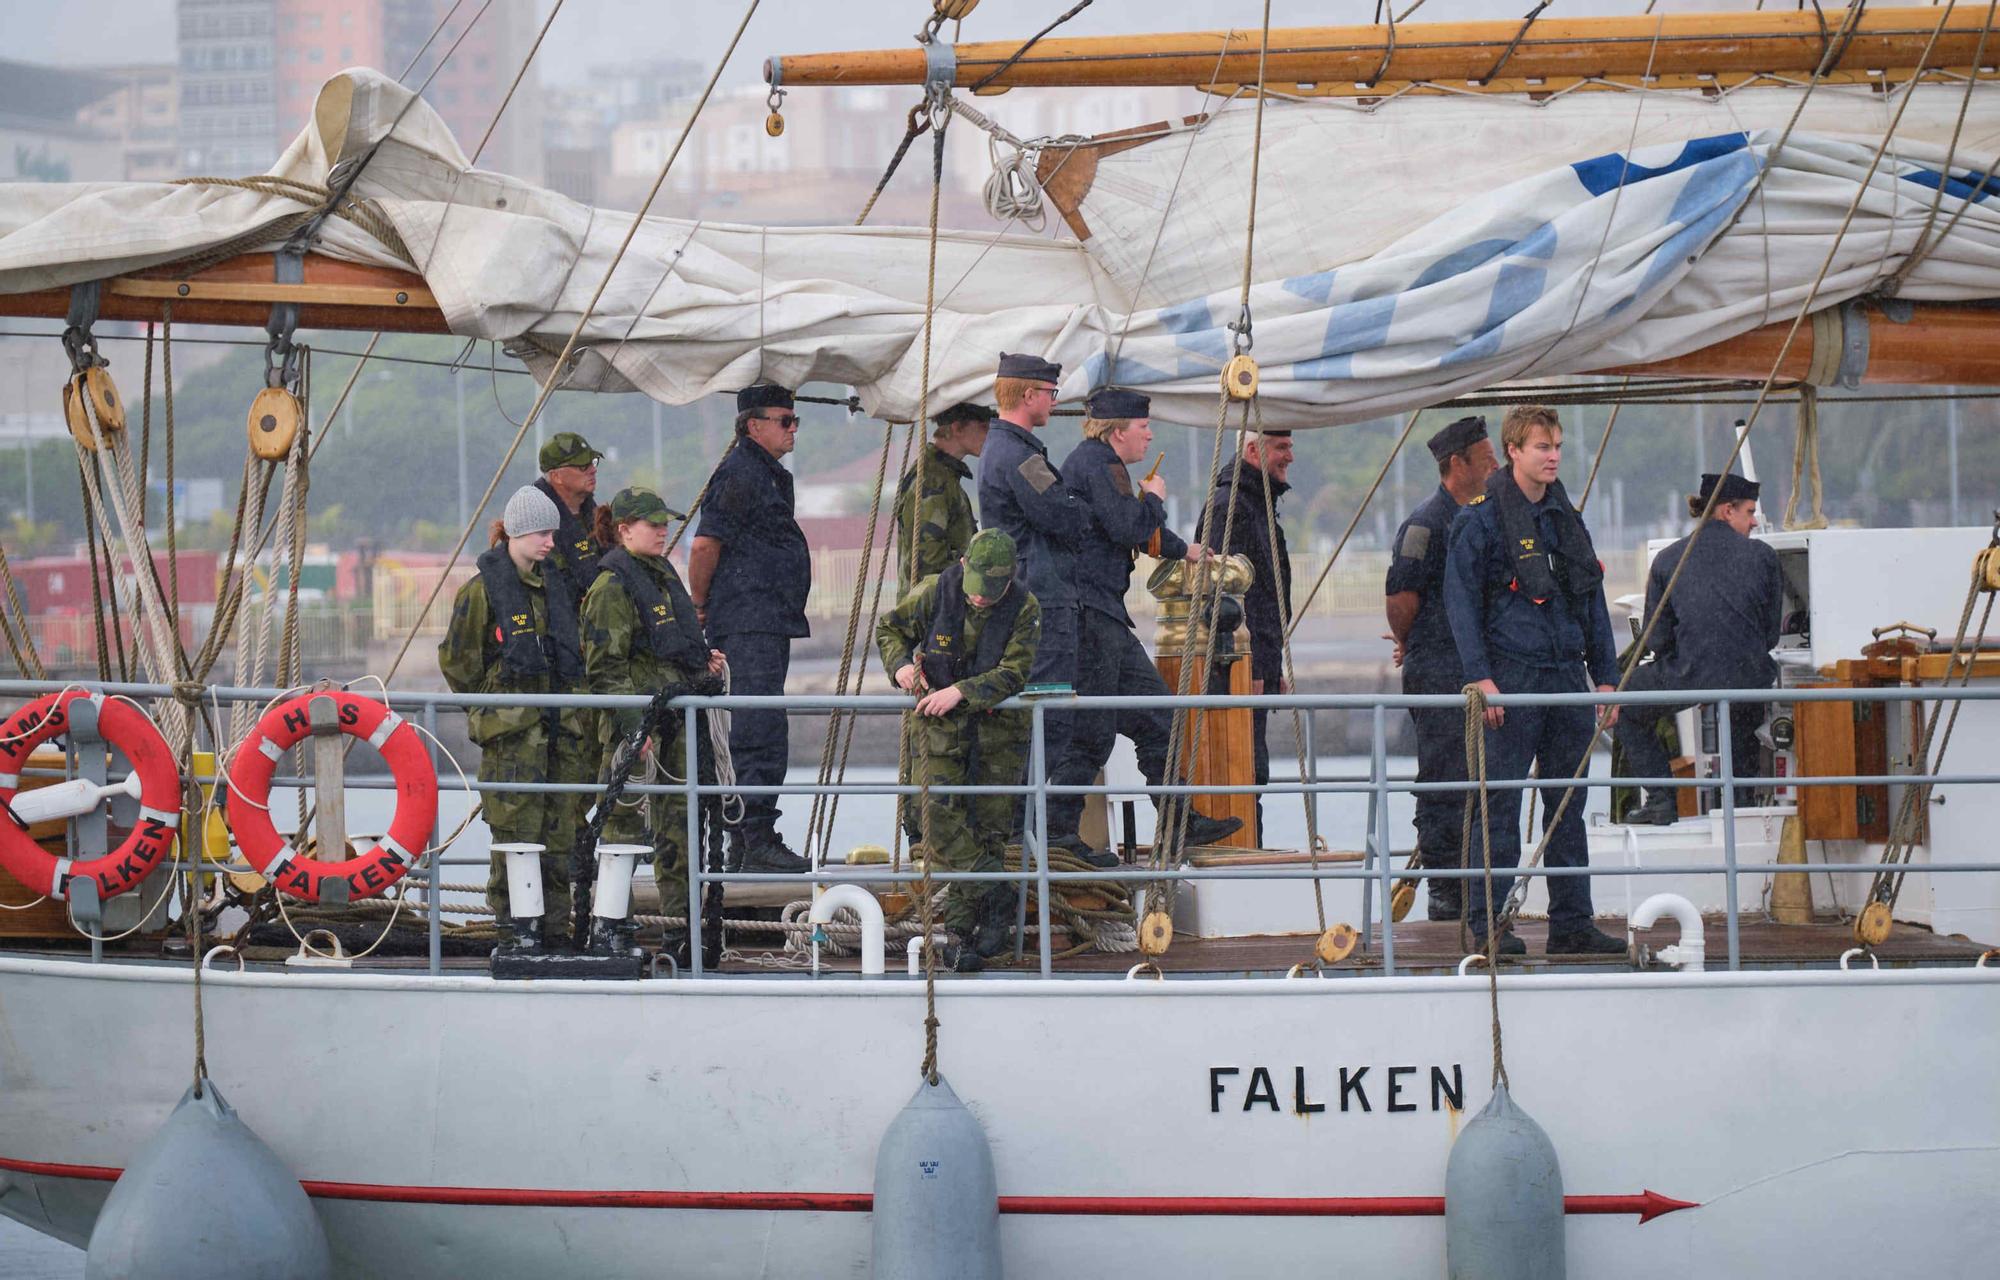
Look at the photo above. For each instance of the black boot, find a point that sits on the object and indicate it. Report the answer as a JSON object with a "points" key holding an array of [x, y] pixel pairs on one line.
{"points": [[1660, 810], [765, 852], [1587, 941], [994, 934], [505, 940], [1506, 944], [1076, 847], [1443, 902], [676, 946], [1202, 829]]}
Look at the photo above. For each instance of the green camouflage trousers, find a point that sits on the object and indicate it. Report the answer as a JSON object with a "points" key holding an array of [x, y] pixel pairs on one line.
{"points": [[549, 820], [659, 822], [967, 833]]}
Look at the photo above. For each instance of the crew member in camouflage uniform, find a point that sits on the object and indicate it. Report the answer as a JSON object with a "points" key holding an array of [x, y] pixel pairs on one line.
{"points": [[640, 635], [569, 478], [509, 634], [931, 502], [964, 641]]}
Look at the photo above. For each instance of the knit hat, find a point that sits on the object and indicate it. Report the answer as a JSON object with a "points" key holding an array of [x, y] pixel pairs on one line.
{"points": [[529, 511]]}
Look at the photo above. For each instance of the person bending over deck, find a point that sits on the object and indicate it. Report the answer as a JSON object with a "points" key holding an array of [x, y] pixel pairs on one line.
{"points": [[510, 634], [1716, 632], [1110, 659], [1525, 594], [964, 642], [640, 636]]}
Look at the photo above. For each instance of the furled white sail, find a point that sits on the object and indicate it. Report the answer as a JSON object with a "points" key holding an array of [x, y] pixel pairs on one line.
{"points": [[1402, 255]]}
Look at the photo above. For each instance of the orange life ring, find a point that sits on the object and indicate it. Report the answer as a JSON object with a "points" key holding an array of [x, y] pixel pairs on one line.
{"points": [[131, 731], [285, 726]]}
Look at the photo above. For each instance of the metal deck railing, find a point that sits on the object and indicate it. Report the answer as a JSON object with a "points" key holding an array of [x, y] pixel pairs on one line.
{"points": [[1377, 870]]}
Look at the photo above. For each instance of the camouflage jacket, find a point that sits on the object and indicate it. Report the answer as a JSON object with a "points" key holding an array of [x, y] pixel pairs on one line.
{"points": [[469, 657], [932, 505], [615, 650], [907, 626]]}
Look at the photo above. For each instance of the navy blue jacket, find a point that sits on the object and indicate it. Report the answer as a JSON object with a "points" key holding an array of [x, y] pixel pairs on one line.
{"points": [[1122, 521], [1250, 536], [765, 571], [1489, 618], [1021, 494], [1430, 656], [1718, 628]]}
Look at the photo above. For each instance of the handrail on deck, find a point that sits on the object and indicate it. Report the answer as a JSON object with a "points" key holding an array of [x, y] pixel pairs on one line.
{"points": [[1379, 785]]}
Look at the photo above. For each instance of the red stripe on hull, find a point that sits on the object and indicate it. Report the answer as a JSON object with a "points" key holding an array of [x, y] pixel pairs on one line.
{"points": [[1647, 1204]]}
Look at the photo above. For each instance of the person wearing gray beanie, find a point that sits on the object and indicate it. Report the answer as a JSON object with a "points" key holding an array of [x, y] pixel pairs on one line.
{"points": [[529, 511], [510, 633]]}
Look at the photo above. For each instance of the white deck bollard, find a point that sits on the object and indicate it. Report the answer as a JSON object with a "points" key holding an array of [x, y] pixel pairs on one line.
{"points": [[612, 899], [524, 879]]}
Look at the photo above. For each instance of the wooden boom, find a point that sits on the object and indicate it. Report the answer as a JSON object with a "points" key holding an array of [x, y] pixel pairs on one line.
{"points": [[1550, 49]]}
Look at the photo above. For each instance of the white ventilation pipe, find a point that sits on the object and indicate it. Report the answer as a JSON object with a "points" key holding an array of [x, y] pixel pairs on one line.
{"points": [[862, 903], [1691, 951]]}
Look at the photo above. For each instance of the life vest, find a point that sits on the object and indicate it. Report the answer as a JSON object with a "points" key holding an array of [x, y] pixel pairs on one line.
{"points": [[526, 653], [671, 625], [943, 657]]}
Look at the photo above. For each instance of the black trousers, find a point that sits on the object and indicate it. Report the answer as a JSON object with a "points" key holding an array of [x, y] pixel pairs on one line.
{"points": [[759, 740], [1109, 660], [1440, 758], [1639, 740]]}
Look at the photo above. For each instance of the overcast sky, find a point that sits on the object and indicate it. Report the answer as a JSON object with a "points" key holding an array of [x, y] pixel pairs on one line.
{"points": [[84, 32]]}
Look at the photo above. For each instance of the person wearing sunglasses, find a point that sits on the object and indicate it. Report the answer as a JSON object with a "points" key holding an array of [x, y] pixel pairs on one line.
{"points": [[749, 572]]}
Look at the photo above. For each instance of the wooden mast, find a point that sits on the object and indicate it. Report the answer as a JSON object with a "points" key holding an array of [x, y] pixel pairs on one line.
{"points": [[1460, 54]]}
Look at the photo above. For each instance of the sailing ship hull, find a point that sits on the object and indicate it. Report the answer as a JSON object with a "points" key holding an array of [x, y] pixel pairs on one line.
{"points": [[460, 1126]]}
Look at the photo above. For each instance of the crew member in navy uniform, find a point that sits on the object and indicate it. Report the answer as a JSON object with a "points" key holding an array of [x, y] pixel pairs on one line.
{"points": [[1424, 650], [749, 573], [1267, 460], [569, 478], [1715, 632], [1525, 594], [1021, 494], [1110, 659]]}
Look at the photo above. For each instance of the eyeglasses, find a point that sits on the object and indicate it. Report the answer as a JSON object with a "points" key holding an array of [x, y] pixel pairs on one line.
{"points": [[785, 421], [580, 466], [1050, 392]]}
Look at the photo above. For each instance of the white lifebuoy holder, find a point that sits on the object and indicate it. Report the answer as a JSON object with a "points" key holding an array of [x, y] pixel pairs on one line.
{"points": [[124, 726], [367, 874]]}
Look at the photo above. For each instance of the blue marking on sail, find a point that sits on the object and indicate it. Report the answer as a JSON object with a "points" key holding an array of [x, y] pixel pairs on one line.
{"points": [[1602, 174], [1459, 261], [1362, 325], [1516, 289], [1316, 288], [1971, 185]]}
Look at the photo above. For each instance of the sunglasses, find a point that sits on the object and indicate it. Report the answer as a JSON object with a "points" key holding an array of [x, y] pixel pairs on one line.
{"points": [[785, 421]]}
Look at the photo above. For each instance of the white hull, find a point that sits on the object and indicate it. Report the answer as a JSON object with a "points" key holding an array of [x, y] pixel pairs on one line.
{"points": [[1811, 1116]]}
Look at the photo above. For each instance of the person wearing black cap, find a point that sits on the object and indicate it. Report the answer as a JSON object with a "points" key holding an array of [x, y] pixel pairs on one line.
{"points": [[749, 572], [1425, 651], [1110, 659], [1716, 631], [933, 510], [1524, 590], [1022, 495], [1266, 461]]}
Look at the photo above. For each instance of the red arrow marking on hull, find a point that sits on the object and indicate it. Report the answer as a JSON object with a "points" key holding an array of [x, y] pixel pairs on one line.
{"points": [[1648, 1205]]}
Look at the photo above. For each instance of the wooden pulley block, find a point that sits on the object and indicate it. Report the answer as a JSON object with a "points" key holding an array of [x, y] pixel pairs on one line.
{"points": [[77, 416], [275, 418], [104, 401], [1156, 933], [1871, 927], [1239, 377], [1400, 902], [954, 10], [1989, 569], [1337, 943], [774, 124]]}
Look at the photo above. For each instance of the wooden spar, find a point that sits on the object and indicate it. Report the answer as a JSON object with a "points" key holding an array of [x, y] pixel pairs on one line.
{"points": [[240, 291], [1938, 345], [1686, 44]]}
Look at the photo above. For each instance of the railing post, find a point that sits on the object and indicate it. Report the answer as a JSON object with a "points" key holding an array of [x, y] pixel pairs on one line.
{"points": [[1038, 774], [436, 890], [1379, 765], [1727, 754], [691, 768]]}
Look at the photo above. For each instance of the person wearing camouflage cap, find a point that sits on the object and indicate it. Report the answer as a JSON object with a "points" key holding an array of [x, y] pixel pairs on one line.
{"points": [[569, 478], [963, 642], [510, 633], [640, 636], [750, 572]]}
